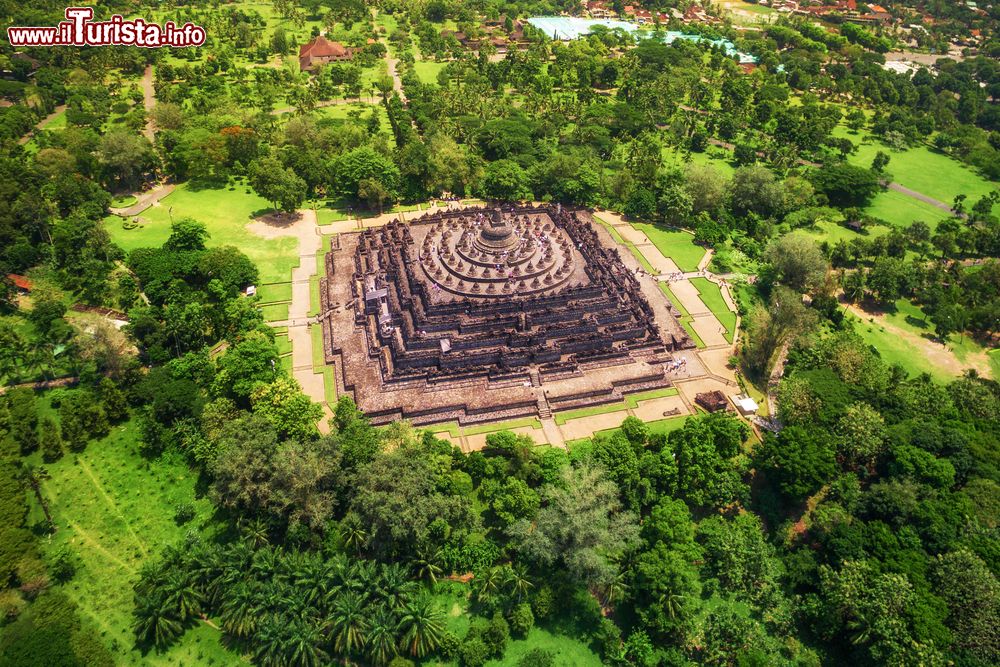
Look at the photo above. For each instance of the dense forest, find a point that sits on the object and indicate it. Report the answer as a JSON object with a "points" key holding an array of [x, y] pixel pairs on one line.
{"points": [[862, 529]]}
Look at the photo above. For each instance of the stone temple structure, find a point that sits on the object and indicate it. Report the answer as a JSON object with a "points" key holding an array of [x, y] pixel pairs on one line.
{"points": [[491, 313]]}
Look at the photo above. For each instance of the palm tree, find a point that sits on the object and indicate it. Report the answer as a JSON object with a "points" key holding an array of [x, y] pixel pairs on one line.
{"points": [[255, 533], [239, 612], [421, 627], [426, 565], [395, 587], [355, 536], [488, 584], [302, 646], [34, 476], [382, 636], [271, 642], [182, 595], [348, 623], [518, 581], [155, 622]]}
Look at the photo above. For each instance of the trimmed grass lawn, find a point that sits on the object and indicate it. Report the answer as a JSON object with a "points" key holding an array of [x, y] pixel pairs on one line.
{"points": [[427, 70], [114, 510], [711, 295], [631, 401], [226, 213], [685, 318], [675, 244], [274, 292], [455, 430], [921, 168], [275, 312], [895, 350], [124, 202], [900, 210]]}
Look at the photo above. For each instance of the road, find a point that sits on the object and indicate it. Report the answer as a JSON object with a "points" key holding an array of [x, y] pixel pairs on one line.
{"points": [[42, 123]]}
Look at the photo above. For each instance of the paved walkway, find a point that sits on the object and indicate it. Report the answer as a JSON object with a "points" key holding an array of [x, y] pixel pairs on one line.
{"points": [[148, 101], [299, 323], [146, 199], [41, 124]]}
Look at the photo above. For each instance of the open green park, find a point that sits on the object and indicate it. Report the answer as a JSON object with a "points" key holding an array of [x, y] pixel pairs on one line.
{"points": [[114, 509]]}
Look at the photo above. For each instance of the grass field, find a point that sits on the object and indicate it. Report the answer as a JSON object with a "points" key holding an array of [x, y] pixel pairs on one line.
{"points": [[455, 430], [452, 598], [275, 292], [922, 169], [905, 337], [711, 296], [663, 426], [226, 213], [114, 509], [675, 244], [427, 70], [685, 318], [631, 401]]}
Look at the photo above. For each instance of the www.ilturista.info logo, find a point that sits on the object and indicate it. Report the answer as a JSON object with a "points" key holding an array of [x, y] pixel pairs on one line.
{"points": [[79, 30]]}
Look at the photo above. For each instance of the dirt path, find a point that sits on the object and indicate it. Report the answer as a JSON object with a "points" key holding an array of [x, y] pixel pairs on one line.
{"points": [[937, 354], [145, 200], [148, 101], [41, 124], [303, 226]]}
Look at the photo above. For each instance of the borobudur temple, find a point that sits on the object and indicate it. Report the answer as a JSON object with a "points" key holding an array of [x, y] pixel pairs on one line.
{"points": [[481, 314]]}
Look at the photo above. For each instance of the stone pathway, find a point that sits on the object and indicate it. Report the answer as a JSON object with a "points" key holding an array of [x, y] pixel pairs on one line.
{"points": [[299, 323]]}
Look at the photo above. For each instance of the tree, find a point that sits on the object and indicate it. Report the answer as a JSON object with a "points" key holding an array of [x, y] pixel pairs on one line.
{"points": [[582, 526], [798, 461], [421, 627], [880, 162], [845, 184], [256, 474], [348, 170], [125, 157], [291, 413], [349, 624], [505, 180], [667, 591], [972, 594], [799, 262], [755, 189], [50, 440], [278, 184], [862, 434], [186, 235], [396, 497]]}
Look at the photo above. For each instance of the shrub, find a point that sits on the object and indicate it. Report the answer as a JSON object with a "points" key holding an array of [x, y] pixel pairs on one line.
{"points": [[497, 634], [184, 513], [522, 620], [537, 657], [474, 652]]}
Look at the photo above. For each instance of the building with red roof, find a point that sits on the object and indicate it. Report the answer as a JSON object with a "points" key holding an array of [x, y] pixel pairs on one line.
{"points": [[22, 283], [321, 51]]}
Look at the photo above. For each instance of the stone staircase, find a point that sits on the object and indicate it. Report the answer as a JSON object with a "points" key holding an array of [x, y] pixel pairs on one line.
{"points": [[544, 411]]}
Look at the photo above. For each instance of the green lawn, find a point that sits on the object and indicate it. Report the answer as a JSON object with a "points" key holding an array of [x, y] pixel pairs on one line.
{"points": [[921, 168], [631, 401], [275, 312], [275, 292], [427, 70], [900, 210], [711, 295], [675, 244], [226, 213], [685, 318], [455, 430], [114, 509]]}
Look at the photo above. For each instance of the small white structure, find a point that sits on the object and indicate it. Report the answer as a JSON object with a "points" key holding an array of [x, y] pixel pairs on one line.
{"points": [[746, 405], [251, 290]]}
